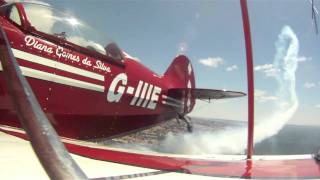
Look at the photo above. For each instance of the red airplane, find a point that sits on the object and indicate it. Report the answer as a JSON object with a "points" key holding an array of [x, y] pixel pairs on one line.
{"points": [[88, 90]]}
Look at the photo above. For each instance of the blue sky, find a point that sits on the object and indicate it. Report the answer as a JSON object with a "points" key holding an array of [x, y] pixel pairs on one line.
{"points": [[210, 33]]}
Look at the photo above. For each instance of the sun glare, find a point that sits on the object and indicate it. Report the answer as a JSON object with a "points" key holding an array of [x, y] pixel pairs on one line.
{"points": [[73, 21]]}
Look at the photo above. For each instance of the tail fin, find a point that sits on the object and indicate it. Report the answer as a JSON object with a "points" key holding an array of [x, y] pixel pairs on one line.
{"points": [[180, 75], [182, 92]]}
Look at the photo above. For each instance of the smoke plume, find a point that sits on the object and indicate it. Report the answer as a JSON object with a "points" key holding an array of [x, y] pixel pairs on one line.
{"points": [[234, 140]]}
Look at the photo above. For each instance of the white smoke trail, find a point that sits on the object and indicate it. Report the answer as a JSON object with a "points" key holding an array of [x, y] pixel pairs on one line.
{"points": [[286, 60], [234, 140]]}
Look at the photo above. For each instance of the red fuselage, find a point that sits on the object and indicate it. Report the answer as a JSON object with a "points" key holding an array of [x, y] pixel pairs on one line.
{"points": [[85, 96]]}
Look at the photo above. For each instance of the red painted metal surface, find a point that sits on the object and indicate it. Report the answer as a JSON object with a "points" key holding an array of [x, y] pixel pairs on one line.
{"points": [[250, 77], [51, 152], [260, 169]]}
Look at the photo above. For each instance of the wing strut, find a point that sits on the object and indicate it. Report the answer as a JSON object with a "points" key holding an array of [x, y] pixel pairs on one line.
{"points": [[314, 12], [247, 35], [45, 142]]}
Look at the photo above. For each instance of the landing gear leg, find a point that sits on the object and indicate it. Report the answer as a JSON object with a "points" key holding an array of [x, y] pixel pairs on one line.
{"points": [[187, 120]]}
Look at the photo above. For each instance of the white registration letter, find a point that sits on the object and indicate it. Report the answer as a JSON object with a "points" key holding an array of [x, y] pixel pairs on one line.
{"points": [[154, 97], [114, 95]]}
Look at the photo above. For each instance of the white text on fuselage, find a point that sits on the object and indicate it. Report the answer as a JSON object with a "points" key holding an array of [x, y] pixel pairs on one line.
{"points": [[146, 95], [61, 53]]}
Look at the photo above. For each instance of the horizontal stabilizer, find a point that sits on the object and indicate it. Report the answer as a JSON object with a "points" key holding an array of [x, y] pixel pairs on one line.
{"points": [[207, 93]]}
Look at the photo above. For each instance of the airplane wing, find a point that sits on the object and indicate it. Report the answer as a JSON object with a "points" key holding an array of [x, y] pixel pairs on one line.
{"points": [[207, 93]]}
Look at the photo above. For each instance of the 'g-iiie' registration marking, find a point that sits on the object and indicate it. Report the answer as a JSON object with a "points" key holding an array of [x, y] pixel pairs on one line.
{"points": [[146, 95]]}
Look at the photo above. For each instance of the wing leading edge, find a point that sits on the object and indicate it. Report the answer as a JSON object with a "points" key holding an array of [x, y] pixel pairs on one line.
{"points": [[207, 93]]}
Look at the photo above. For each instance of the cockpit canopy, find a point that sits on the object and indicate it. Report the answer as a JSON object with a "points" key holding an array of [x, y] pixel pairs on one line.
{"points": [[64, 26]]}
